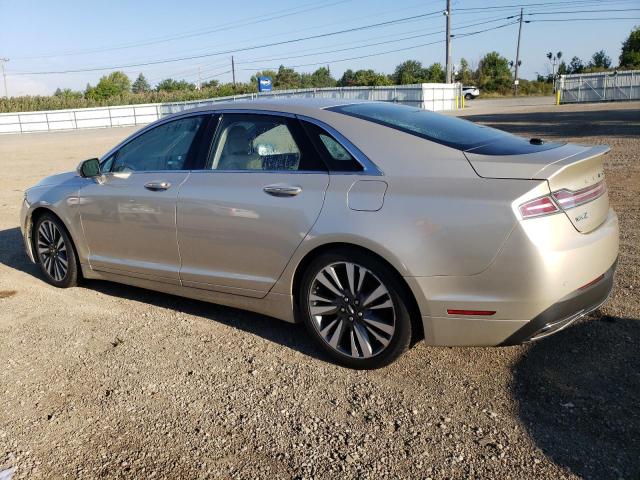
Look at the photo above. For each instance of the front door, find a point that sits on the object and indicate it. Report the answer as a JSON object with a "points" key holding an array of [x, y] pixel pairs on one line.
{"points": [[129, 218], [241, 219]]}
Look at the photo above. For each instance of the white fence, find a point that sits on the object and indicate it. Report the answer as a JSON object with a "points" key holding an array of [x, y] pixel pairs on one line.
{"points": [[430, 96], [600, 87]]}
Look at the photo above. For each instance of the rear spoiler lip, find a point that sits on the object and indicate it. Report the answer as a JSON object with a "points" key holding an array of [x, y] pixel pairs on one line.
{"points": [[589, 153], [523, 167]]}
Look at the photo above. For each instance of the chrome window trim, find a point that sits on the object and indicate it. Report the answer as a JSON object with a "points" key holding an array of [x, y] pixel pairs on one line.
{"points": [[253, 111], [368, 167], [288, 172]]}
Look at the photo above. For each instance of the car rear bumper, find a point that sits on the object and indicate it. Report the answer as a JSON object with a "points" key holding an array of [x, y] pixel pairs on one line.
{"points": [[562, 314], [545, 276]]}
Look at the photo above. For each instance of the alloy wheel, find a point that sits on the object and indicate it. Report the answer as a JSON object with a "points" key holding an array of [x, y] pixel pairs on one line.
{"points": [[352, 310], [52, 250]]}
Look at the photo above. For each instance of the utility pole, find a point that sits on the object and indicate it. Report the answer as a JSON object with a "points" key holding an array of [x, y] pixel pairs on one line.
{"points": [[515, 82], [233, 71], [447, 12], [4, 76], [199, 78]]}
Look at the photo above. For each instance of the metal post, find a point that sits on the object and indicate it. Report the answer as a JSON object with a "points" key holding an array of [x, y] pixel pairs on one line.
{"points": [[515, 82], [448, 41], [4, 76], [233, 71]]}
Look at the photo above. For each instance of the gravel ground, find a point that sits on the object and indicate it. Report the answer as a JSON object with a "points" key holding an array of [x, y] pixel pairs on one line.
{"points": [[112, 381]]}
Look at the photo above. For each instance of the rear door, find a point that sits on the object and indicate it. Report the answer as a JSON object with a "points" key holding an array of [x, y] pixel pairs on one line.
{"points": [[129, 217], [242, 217]]}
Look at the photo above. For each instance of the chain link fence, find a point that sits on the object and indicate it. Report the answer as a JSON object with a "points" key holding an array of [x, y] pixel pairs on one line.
{"points": [[430, 96]]}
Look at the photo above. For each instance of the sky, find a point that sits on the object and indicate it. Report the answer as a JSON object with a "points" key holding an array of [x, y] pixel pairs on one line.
{"points": [[47, 36]]}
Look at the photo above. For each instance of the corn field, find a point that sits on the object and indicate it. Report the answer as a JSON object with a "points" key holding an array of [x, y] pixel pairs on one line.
{"points": [[41, 103]]}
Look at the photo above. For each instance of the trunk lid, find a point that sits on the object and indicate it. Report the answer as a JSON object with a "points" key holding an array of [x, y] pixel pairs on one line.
{"points": [[574, 173]]}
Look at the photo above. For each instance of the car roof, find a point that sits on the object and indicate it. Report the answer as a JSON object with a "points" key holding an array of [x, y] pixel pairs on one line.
{"points": [[296, 106]]}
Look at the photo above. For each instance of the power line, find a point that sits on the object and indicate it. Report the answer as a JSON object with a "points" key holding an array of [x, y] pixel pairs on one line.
{"points": [[523, 5], [386, 52], [244, 49], [386, 42], [585, 11], [601, 19], [192, 33]]}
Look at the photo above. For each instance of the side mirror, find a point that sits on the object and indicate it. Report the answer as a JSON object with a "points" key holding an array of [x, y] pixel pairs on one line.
{"points": [[89, 168]]}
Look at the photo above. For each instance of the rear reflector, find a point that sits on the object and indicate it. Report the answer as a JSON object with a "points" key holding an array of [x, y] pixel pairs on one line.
{"points": [[484, 313], [537, 207], [569, 199]]}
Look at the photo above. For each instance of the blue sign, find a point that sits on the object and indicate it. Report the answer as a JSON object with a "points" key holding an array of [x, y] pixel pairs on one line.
{"points": [[264, 84]]}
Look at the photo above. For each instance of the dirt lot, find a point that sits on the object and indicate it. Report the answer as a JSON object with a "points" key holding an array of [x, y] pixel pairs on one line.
{"points": [[112, 381]]}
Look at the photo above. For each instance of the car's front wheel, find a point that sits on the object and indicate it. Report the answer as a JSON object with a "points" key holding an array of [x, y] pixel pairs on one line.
{"points": [[468, 96], [355, 308], [55, 251]]}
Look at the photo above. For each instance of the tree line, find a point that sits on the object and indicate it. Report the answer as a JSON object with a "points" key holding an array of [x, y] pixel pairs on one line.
{"points": [[493, 74]]}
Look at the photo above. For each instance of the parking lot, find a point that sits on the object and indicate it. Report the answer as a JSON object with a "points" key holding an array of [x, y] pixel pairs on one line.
{"points": [[112, 381]]}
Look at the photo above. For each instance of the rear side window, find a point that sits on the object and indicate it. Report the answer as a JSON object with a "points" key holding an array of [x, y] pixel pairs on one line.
{"points": [[334, 154], [249, 142], [450, 131]]}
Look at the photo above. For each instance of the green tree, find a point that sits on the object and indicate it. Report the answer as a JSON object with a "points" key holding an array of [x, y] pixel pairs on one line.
{"points": [[363, 78], [210, 84], [599, 61], [630, 55], [562, 68], [576, 65], [321, 78], [140, 85], [494, 74], [171, 85], [464, 74], [67, 93], [409, 72], [116, 83], [286, 78], [434, 74]]}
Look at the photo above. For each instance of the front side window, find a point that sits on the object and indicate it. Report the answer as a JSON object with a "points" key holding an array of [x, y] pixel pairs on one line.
{"points": [[246, 142], [165, 147]]}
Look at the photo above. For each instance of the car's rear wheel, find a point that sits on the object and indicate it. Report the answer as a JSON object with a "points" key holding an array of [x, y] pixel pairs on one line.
{"points": [[55, 252], [468, 96], [355, 308]]}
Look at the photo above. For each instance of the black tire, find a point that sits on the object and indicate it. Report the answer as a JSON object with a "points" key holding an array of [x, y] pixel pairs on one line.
{"points": [[468, 96], [60, 249], [375, 270]]}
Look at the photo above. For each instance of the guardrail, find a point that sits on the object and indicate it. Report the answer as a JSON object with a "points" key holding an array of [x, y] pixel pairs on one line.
{"points": [[431, 96], [599, 87]]}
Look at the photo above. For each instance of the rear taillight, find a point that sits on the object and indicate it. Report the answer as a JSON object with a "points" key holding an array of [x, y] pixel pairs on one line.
{"points": [[537, 207], [569, 199], [562, 200]]}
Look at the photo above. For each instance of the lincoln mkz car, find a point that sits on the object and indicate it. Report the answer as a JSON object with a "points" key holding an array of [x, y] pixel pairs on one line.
{"points": [[375, 224]]}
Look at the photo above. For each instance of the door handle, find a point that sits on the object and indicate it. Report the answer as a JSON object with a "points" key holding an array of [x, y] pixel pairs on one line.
{"points": [[157, 186], [282, 190]]}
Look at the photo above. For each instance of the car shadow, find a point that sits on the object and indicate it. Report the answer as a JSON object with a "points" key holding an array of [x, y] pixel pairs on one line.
{"points": [[286, 334], [578, 395], [618, 123]]}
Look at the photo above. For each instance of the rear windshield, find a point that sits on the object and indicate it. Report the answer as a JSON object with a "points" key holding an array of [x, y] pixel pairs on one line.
{"points": [[450, 131]]}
